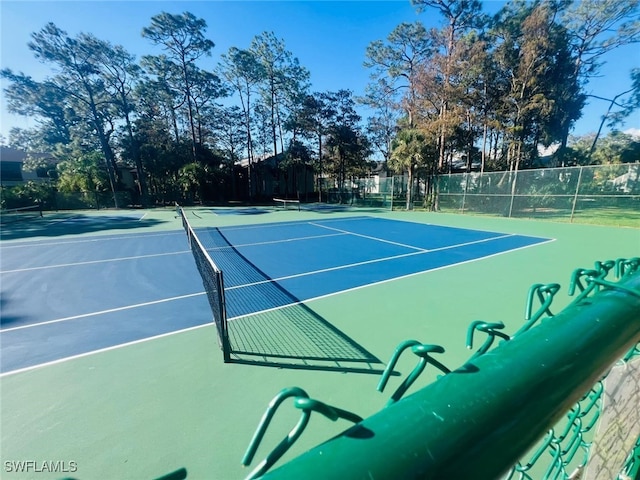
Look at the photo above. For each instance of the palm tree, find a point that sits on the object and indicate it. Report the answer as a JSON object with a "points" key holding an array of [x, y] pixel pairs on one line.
{"points": [[409, 151]]}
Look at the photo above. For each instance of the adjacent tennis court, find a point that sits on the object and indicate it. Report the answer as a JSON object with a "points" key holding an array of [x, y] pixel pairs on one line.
{"points": [[109, 356]]}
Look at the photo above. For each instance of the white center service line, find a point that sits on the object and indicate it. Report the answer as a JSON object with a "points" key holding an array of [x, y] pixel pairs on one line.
{"points": [[366, 262]]}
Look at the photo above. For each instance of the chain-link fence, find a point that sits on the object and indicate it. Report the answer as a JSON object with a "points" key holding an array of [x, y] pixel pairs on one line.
{"points": [[549, 192], [565, 194]]}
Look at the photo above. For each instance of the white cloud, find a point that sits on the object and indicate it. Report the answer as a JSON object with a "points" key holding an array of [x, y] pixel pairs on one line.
{"points": [[634, 132]]}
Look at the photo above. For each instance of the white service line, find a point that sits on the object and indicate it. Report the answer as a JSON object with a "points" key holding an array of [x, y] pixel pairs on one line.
{"points": [[369, 237], [284, 240], [288, 224], [380, 282], [94, 261], [366, 262], [329, 269], [102, 312]]}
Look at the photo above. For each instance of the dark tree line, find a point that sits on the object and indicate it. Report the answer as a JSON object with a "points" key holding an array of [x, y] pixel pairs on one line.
{"points": [[183, 128], [487, 90]]}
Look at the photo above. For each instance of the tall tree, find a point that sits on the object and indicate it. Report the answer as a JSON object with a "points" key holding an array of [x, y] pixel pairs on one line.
{"points": [[121, 74], [283, 78], [382, 125], [313, 119], [43, 101], [346, 146], [461, 17], [540, 91], [206, 89], [241, 70], [182, 37], [81, 82], [596, 27], [398, 60], [626, 103]]}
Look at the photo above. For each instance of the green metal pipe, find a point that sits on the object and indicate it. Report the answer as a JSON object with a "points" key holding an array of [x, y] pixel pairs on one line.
{"points": [[479, 420]]}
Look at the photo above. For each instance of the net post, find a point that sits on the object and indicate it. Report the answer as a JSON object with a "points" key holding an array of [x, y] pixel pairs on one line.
{"points": [[224, 325]]}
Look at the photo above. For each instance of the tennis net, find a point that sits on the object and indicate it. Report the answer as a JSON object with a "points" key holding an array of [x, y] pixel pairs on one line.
{"points": [[283, 202], [213, 282], [20, 214]]}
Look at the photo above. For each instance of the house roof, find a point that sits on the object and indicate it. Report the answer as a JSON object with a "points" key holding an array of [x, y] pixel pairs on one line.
{"points": [[8, 154], [14, 155]]}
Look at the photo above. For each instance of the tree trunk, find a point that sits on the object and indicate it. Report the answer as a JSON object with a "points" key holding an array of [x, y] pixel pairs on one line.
{"points": [[410, 188]]}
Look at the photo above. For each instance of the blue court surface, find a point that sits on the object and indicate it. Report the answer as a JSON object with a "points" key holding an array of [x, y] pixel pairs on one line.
{"points": [[67, 297]]}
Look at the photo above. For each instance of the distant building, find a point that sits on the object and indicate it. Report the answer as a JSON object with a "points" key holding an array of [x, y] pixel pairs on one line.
{"points": [[269, 179], [12, 170]]}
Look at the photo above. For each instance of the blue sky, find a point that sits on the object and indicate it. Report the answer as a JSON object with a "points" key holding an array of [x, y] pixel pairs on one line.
{"points": [[329, 38]]}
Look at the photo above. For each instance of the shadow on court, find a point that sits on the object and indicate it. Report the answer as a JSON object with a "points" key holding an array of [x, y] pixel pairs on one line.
{"points": [[57, 224], [297, 337], [338, 207], [7, 320], [241, 211], [284, 333]]}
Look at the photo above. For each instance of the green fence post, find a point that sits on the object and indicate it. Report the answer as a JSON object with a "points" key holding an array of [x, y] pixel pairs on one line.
{"points": [[575, 196]]}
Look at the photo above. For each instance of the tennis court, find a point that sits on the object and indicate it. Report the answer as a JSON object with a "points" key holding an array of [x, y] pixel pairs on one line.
{"points": [[110, 359]]}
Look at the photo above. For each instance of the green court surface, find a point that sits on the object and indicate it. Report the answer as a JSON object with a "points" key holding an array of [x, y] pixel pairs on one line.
{"points": [[146, 409]]}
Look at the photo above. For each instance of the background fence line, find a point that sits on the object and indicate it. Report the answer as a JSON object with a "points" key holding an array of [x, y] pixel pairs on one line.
{"points": [[563, 193]]}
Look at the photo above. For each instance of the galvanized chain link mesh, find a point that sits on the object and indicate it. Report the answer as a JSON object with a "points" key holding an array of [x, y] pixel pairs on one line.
{"points": [[541, 193], [599, 437], [567, 451]]}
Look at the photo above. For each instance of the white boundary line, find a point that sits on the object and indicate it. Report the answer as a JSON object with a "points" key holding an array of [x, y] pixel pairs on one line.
{"points": [[380, 282], [101, 350], [37, 243], [91, 262], [136, 342], [294, 223], [366, 262]]}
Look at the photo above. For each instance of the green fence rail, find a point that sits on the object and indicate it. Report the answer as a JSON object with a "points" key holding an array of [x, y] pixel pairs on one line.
{"points": [[543, 193], [567, 194], [518, 396]]}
